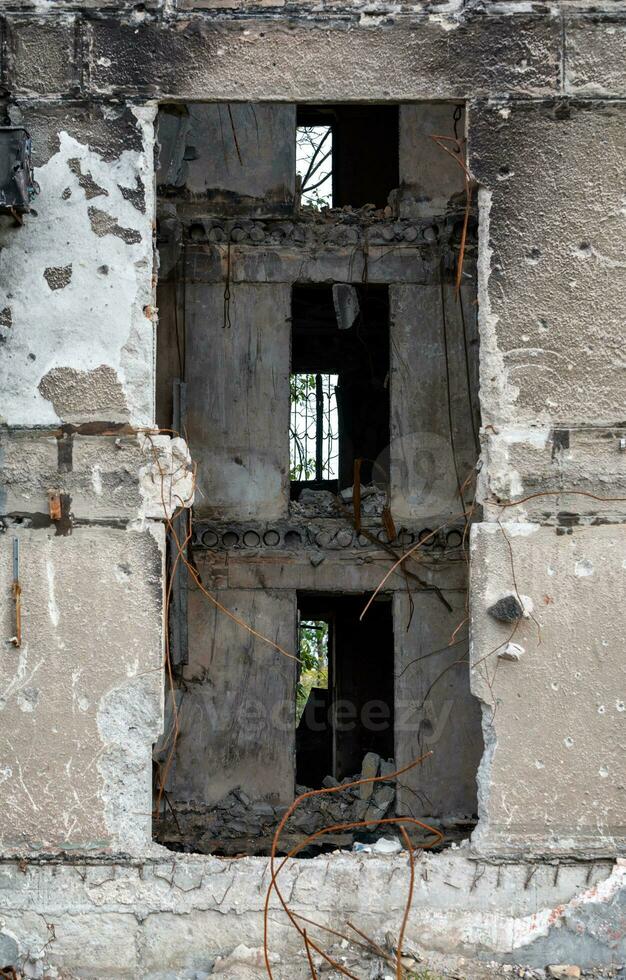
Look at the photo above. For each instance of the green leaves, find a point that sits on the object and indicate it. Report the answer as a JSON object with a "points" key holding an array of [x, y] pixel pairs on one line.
{"points": [[313, 652]]}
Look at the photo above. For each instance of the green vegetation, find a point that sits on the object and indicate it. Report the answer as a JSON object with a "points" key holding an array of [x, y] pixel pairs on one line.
{"points": [[313, 651]]}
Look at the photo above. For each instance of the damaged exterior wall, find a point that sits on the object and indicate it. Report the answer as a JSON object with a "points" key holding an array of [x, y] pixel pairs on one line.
{"points": [[77, 726], [552, 373], [93, 362], [173, 917], [570, 672], [544, 88], [84, 488]]}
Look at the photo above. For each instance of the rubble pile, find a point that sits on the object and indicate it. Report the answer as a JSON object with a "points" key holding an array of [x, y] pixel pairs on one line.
{"points": [[239, 824], [323, 503]]}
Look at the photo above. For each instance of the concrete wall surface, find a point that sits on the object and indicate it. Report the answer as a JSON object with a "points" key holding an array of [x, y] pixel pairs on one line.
{"points": [[563, 697], [82, 696], [173, 917], [81, 266]]}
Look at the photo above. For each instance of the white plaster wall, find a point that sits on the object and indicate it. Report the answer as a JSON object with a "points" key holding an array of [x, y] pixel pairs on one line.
{"points": [[104, 316]]}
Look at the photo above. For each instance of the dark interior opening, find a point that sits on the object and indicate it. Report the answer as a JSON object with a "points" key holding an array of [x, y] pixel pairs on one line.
{"points": [[354, 714], [359, 356], [365, 157]]}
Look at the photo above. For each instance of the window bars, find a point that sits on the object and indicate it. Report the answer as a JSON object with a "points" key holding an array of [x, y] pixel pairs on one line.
{"points": [[314, 427]]}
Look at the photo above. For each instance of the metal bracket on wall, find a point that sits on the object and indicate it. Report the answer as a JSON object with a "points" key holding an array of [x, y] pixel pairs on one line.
{"points": [[18, 186], [17, 594]]}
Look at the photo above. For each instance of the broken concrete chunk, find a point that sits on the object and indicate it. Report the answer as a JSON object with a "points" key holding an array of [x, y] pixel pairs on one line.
{"points": [[243, 956], [315, 503], [384, 794], [512, 651], [562, 971], [370, 767], [346, 303], [387, 766], [373, 499], [508, 609], [387, 845], [263, 809], [243, 798]]}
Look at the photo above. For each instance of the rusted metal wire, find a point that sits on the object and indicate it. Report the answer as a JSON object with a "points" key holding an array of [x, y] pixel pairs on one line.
{"points": [[334, 828], [17, 594], [457, 155]]}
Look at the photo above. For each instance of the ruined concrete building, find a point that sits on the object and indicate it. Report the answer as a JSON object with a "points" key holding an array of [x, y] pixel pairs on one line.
{"points": [[313, 441]]}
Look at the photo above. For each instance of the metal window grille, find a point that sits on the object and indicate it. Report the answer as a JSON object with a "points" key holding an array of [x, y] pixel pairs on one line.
{"points": [[314, 429]]}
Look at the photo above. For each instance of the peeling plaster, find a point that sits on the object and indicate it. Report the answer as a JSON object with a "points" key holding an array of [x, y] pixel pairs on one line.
{"points": [[58, 276], [82, 395], [86, 687], [497, 394], [118, 335]]}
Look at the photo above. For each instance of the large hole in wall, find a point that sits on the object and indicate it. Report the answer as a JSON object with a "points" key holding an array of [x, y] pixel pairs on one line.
{"points": [[322, 364]]}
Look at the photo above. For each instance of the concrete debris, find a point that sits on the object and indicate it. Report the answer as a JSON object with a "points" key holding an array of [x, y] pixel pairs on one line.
{"points": [[322, 503], [508, 609], [346, 301], [373, 499], [562, 972], [386, 845], [512, 651], [370, 768], [243, 956], [315, 503], [239, 824]]}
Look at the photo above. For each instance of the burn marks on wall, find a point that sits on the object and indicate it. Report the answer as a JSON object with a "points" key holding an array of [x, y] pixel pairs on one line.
{"points": [[259, 300]]}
